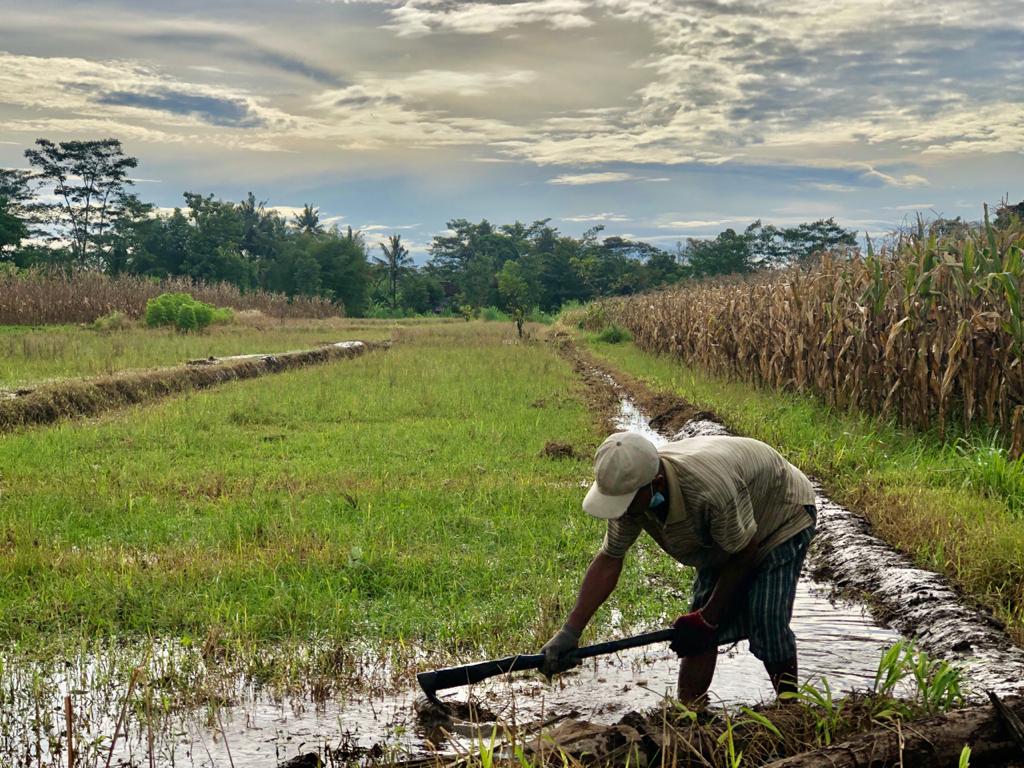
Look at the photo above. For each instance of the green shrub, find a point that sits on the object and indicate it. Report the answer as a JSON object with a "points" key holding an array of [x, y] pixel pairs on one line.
{"points": [[587, 317], [184, 312], [161, 311], [223, 315], [187, 319], [203, 314], [535, 315], [614, 334], [493, 314], [380, 311]]}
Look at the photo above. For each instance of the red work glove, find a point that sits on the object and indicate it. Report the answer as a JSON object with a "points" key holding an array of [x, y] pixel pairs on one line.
{"points": [[694, 634]]}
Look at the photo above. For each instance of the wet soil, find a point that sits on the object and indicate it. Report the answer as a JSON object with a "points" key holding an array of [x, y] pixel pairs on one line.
{"points": [[919, 604], [554, 449], [604, 391]]}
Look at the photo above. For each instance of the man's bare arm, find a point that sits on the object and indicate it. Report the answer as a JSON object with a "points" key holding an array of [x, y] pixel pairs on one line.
{"points": [[598, 583]]}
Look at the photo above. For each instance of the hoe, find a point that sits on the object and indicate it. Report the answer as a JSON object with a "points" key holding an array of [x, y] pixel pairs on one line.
{"points": [[467, 674]]}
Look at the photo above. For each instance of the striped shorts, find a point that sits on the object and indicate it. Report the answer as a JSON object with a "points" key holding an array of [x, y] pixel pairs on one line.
{"points": [[762, 615]]}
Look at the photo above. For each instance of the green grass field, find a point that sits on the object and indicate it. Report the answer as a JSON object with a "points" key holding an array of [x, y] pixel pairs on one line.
{"points": [[957, 509], [396, 497], [33, 354]]}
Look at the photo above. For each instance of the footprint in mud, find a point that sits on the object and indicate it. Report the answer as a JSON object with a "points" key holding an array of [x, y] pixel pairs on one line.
{"points": [[430, 713]]}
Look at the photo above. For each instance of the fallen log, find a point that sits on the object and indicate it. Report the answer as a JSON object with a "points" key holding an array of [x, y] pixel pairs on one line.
{"points": [[929, 742]]}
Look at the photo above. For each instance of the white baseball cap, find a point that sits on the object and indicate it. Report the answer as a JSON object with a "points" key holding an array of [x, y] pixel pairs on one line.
{"points": [[623, 464]]}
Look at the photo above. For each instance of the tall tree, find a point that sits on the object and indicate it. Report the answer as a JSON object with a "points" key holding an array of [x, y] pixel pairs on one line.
{"points": [[213, 252], [809, 239], [727, 254], [517, 287], [344, 268], [88, 179], [15, 209], [308, 222], [1006, 213], [132, 231], [12, 228], [396, 262]]}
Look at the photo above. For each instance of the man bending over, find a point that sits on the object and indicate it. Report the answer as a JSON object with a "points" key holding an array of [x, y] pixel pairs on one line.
{"points": [[731, 507]]}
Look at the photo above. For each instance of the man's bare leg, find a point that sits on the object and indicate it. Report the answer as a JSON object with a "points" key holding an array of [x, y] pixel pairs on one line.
{"points": [[783, 675], [695, 673]]}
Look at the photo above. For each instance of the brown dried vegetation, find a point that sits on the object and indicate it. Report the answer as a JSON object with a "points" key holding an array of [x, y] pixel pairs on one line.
{"points": [[37, 297], [927, 332]]}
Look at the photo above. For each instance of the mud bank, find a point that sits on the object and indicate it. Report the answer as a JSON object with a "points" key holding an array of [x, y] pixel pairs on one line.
{"points": [[917, 603], [90, 397]]}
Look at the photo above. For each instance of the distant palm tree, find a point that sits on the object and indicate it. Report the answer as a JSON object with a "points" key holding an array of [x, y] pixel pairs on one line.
{"points": [[309, 220], [396, 261]]}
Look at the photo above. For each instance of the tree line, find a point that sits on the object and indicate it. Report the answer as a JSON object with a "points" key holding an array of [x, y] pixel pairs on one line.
{"points": [[74, 209]]}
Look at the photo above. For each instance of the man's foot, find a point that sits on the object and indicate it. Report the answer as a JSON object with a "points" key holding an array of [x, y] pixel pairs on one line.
{"points": [[783, 675]]}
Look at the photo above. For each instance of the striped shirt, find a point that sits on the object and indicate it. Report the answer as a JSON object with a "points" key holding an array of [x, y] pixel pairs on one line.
{"points": [[722, 493]]}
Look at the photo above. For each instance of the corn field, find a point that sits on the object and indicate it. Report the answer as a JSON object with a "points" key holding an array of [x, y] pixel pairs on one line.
{"points": [[37, 297], [928, 332]]}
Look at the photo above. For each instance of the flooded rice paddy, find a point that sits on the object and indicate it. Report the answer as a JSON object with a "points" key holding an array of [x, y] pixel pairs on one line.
{"points": [[374, 719]]}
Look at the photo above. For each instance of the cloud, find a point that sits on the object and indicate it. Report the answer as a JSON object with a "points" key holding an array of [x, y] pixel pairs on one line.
{"points": [[424, 84], [877, 102], [241, 48], [699, 223], [210, 109], [287, 211], [416, 18], [386, 227], [591, 217], [757, 82], [909, 207], [829, 187], [75, 96], [907, 180], [605, 177]]}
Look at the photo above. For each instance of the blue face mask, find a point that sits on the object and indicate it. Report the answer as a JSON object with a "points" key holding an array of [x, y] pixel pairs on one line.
{"points": [[657, 499]]}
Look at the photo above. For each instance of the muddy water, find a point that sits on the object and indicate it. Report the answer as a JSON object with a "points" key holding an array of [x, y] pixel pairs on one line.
{"points": [[837, 640]]}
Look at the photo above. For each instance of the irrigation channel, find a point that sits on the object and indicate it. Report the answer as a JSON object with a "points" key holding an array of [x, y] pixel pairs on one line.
{"points": [[838, 640]]}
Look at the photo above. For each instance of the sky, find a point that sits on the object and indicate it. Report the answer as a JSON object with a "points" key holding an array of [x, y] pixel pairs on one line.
{"points": [[656, 119]]}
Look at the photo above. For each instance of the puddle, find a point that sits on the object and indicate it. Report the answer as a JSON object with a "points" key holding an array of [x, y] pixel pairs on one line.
{"points": [[837, 640]]}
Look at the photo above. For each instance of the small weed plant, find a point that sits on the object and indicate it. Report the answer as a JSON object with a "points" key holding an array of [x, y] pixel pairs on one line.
{"points": [[115, 321], [828, 711], [493, 314], [990, 469], [614, 334], [936, 683]]}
